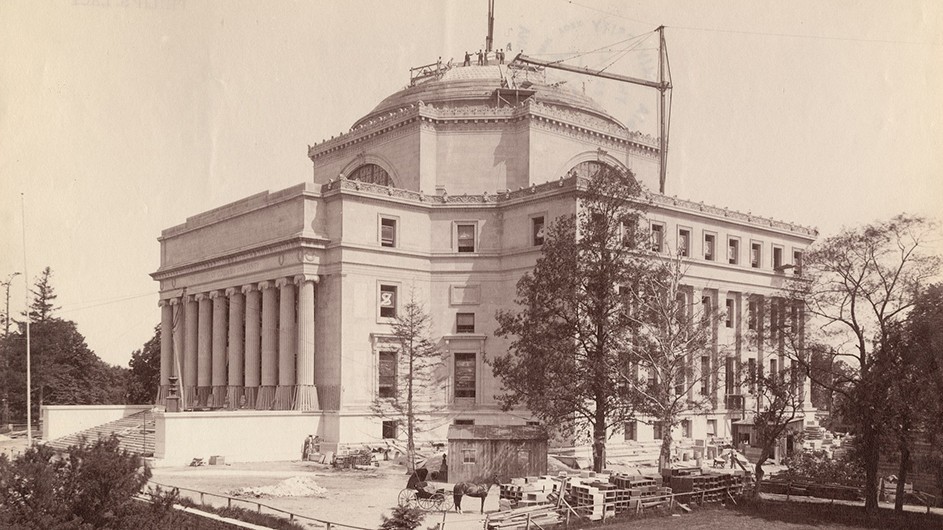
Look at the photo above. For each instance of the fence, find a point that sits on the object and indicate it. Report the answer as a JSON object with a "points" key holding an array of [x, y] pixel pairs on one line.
{"points": [[258, 506], [616, 503], [831, 493]]}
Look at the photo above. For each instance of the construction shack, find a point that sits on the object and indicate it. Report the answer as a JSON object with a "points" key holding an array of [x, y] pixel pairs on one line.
{"points": [[477, 452]]}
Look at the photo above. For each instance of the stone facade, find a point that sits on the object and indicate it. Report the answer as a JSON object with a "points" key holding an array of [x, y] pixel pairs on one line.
{"points": [[283, 301]]}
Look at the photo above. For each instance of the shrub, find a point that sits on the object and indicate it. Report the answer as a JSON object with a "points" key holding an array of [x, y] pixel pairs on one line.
{"points": [[88, 486], [817, 466], [403, 518]]}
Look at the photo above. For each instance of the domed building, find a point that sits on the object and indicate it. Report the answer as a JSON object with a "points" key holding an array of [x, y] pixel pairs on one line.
{"points": [[277, 309]]}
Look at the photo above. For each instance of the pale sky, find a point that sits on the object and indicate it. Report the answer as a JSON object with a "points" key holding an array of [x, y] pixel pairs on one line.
{"points": [[119, 118]]}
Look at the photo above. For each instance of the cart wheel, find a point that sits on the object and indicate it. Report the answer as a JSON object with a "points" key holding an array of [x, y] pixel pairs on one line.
{"points": [[427, 503], [446, 504], [407, 497]]}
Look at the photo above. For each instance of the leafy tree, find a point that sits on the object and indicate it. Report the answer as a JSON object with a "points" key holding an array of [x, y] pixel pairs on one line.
{"points": [[571, 335], [779, 400], [144, 377], [407, 382], [855, 286], [64, 370], [90, 486], [670, 334]]}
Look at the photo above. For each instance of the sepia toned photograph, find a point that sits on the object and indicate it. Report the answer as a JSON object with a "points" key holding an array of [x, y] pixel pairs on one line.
{"points": [[477, 264]]}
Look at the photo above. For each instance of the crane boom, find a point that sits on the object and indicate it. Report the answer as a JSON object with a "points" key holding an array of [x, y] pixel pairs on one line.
{"points": [[663, 85], [589, 71]]}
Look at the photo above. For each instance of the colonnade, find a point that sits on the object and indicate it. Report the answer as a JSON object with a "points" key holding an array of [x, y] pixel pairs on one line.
{"points": [[243, 347]]}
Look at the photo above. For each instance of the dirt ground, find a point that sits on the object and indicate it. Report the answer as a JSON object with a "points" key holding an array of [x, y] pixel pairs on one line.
{"points": [[354, 497]]}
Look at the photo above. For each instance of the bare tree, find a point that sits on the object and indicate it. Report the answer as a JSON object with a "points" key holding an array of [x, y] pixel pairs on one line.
{"points": [[672, 333], [406, 378], [854, 287]]}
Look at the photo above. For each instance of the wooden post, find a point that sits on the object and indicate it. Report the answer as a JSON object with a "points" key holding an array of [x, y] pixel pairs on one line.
{"points": [[229, 502], [527, 525]]}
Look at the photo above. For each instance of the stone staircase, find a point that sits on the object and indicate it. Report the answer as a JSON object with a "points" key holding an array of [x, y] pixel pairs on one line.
{"points": [[135, 434]]}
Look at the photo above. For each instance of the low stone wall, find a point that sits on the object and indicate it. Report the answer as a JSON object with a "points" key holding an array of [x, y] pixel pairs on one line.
{"points": [[238, 436], [63, 420]]}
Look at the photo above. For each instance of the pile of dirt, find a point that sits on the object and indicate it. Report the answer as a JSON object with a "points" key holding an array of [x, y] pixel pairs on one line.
{"points": [[291, 487]]}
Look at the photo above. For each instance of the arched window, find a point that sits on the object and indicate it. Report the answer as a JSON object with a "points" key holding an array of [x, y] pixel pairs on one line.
{"points": [[589, 168], [372, 174]]}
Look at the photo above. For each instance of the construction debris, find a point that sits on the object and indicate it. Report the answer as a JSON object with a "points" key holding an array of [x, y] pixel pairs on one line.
{"points": [[291, 487]]}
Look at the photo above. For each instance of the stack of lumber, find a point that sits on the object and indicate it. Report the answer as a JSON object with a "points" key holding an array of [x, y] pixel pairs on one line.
{"points": [[525, 517]]}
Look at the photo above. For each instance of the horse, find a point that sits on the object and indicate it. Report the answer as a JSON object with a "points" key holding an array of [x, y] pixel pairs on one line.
{"points": [[473, 490]]}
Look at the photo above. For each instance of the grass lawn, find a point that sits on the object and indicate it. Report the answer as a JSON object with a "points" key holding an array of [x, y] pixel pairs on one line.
{"points": [[772, 515]]}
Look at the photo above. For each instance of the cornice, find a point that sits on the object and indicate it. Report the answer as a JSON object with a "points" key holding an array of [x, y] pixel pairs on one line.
{"points": [[301, 244]]}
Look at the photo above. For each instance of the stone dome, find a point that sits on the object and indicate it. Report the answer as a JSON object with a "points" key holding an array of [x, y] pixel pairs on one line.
{"points": [[460, 86]]}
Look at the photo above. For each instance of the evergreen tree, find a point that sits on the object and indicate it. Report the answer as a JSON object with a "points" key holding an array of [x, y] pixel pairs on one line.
{"points": [[571, 335], [42, 308]]}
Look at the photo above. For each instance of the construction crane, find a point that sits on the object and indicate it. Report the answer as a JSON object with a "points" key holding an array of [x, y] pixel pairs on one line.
{"points": [[663, 85]]}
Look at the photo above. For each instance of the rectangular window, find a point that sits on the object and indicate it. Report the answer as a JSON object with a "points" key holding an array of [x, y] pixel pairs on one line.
{"points": [[629, 430], [388, 301], [705, 376], [537, 230], [733, 251], [466, 237], [629, 229], [705, 310], [468, 456], [657, 429], [389, 429], [797, 262], [731, 313], [387, 375], [756, 254], [729, 377], [709, 247], [387, 232], [773, 372], [751, 368], [686, 428], [684, 242], [466, 369], [777, 257], [465, 323], [712, 427], [658, 237], [464, 422], [751, 315]]}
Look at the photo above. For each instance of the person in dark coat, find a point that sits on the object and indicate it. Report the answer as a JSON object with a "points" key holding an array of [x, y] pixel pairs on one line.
{"points": [[467, 59]]}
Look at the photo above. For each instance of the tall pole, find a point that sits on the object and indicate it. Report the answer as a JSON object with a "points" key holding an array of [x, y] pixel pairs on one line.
{"points": [[662, 118], [5, 406], [489, 42], [29, 386]]}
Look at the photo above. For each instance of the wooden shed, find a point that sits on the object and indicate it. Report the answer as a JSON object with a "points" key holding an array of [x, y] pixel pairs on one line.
{"points": [[476, 452]]}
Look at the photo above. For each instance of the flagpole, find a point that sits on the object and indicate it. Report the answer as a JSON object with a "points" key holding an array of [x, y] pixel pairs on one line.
{"points": [[29, 388]]}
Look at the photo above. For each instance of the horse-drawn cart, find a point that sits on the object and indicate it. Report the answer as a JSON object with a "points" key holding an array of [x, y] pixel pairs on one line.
{"points": [[424, 495]]}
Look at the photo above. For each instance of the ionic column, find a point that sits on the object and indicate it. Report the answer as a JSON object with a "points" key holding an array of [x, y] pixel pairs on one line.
{"points": [[204, 376], [286, 344], [306, 394], [253, 343], [219, 348], [190, 352], [237, 310], [166, 349], [269, 371]]}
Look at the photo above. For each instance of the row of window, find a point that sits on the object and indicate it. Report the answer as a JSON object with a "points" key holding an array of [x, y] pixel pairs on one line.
{"points": [[709, 247], [465, 233], [464, 372]]}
